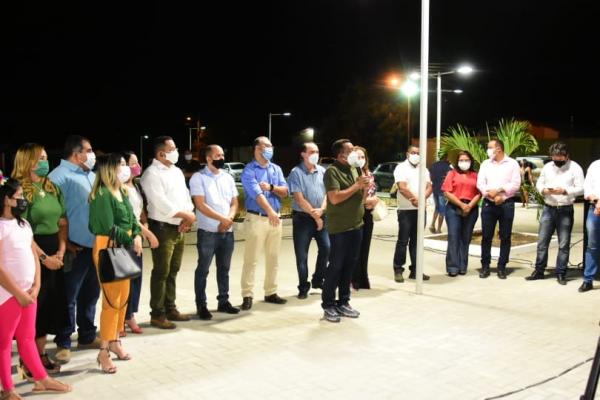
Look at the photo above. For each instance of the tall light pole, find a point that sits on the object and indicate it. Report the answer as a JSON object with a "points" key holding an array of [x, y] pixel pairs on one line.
{"points": [[285, 114], [409, 88], [142, 138], [462, 70]]}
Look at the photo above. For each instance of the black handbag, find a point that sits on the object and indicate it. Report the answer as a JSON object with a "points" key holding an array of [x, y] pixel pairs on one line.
{"points": [[117, 263]]}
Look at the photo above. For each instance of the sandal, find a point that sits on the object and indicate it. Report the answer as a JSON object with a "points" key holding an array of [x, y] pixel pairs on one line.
{"points": [[11, 395], [50, 366], [107, 367], [121, 355], [51, 385], [133, 326]]}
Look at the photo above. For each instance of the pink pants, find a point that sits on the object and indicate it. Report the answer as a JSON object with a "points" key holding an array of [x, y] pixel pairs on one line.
{"points": [[18, 322]]}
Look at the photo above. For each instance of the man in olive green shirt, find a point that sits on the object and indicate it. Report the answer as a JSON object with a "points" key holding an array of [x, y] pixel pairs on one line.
{"points": [[345, 186]]}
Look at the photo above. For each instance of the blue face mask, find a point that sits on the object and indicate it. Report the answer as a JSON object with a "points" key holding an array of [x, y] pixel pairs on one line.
{"points": [[268, 153]]}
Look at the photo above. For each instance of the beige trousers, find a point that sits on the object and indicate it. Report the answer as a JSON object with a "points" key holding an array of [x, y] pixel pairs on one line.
{"points": [[261, 238]]}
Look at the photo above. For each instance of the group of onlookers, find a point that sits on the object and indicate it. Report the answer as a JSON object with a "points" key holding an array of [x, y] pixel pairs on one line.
{"points": [[55, 224]]}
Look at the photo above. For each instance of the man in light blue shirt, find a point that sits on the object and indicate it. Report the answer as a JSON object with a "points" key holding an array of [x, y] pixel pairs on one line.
{"points": [[75, 179], [308, 191], [264, 187], [215, 197]]}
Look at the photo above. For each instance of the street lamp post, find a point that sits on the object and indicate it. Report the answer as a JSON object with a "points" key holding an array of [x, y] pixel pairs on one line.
{"points": [[141, 160], [463, 70], [409, 89], [285, 114]]}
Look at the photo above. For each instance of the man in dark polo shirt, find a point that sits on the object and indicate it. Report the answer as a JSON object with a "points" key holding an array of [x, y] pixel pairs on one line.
{"points": [[345, 196]]}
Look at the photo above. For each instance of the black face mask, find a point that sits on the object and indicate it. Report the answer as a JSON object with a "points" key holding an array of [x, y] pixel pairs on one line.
{"points": [[218, 163], [20, 208], [559, 164]]}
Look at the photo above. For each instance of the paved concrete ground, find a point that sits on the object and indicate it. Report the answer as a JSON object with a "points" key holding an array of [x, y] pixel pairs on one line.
{"points": [[464, 338]]}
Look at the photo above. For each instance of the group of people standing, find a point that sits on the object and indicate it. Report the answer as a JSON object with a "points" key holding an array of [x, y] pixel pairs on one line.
{"points": [[54, 224]]}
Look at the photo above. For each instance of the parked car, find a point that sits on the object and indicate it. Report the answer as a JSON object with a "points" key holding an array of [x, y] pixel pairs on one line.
{"points": [[234, 169], [384, 175]]}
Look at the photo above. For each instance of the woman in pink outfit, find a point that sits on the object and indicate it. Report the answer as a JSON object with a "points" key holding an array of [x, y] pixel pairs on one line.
{"points": [[19, 287]]}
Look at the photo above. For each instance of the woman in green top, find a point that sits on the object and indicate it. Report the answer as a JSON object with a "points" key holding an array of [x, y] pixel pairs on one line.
{"points": [[110, 207], [46, 215]]}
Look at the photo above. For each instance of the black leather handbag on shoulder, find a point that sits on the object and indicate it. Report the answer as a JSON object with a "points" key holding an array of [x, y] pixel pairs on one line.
{"points": [[117, 263]]}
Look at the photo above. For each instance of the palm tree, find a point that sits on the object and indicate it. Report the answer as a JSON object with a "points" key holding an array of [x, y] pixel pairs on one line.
{"points": [[516, 137], [459, 138]]}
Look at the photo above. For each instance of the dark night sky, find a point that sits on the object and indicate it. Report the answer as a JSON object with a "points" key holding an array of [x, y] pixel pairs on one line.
{"points": [[115, 72]]}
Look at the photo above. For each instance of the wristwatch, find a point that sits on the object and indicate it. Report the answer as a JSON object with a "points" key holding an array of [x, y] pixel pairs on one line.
{"points": [[271, 188], [43, 257]]}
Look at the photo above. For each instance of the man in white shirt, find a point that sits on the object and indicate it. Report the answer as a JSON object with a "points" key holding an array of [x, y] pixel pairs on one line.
{"points": [[170, 215], [215, 197], [561, 182], [498, 180], [591, 192], [406, 176]]}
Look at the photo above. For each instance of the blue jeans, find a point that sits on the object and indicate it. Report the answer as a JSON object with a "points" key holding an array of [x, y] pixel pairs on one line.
{"points": [[303, 231], [345, 247], [83, 290], [460, 233], [491, 214], [135, 290], [407, 236], [560, 220], [592, 251], [219, 245]]}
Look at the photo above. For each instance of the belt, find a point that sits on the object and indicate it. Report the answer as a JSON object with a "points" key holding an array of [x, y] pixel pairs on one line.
{"points": [[260, 214], [162, 224], [559, 207], [509, 200]]}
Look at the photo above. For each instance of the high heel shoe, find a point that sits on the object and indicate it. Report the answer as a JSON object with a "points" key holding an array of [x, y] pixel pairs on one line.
{"points": [[24, 372], [51, 367], [133, 326], [107, 369], [122, 356]]}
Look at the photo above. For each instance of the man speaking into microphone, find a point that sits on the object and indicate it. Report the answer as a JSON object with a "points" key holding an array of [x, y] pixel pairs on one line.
{"points": [[344, 185]]}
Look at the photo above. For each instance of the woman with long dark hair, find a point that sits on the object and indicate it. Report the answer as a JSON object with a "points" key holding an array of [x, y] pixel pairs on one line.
{"points": [[460, 188], [360, 276]]}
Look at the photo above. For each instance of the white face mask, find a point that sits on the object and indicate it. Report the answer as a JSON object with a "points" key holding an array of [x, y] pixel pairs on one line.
{"points": [[491, 153], [353, 159], [91, 160], [464, 165], [172, 156], [188, 157], [361, 163], [124, 173], [313, 158], [414, 159]]}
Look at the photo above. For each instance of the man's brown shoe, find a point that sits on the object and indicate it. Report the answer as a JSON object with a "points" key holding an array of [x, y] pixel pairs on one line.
{"points": [[175, 315], [95, 344], [162, 323], [63, 355], [275, 299]]}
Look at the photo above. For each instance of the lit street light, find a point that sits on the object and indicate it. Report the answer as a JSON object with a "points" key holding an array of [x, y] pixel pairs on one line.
{"points": [[462, 70], [409, 88], [285, 114]]}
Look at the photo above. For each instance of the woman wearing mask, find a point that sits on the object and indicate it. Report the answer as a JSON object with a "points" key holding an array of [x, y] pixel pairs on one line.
{"points": [[136, 198], [19, 288], [110, 208], [360, 276], [46, 216], [460, 188]]}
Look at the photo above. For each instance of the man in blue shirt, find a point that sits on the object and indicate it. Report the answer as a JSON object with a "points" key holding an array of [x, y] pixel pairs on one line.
{"points": [[264, 187], [75, 179], [308, 190], [215, 197]]}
